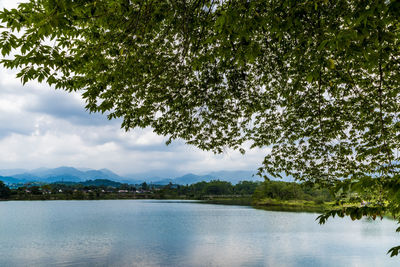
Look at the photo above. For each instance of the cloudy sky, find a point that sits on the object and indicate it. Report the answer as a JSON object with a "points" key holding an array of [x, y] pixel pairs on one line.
{"points": [[44, 127]]}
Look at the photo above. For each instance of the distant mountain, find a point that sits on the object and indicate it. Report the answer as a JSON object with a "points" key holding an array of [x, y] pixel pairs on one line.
{"points": [[11, 180], [25, 177], [84, 169], [67, 174], [101, 182], [8, 172], [97, 182], [70, 174], [153, 176], [60, 171], [62, 178], [193, 178], [163, 181], [103, 173]]}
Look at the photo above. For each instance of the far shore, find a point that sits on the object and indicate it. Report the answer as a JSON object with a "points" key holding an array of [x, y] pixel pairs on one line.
{"points": [[266, 204]]}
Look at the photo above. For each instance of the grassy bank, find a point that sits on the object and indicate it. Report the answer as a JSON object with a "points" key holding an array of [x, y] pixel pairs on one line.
{"points": [[292, 205], [241, 201], [273, 204]]}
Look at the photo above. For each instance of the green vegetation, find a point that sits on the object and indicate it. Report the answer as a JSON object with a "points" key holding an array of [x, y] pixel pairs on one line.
{"points": [[218, 192], [5, 192], [278, 195], [91, 189], [269, 194], [290, 191], [317, 81]]}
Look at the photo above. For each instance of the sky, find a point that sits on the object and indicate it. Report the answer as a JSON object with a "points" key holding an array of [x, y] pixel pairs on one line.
{"points": [[44, 127]]}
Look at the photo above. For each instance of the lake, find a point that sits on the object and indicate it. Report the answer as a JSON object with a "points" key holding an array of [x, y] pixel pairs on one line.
{"points": [[184, 233]]}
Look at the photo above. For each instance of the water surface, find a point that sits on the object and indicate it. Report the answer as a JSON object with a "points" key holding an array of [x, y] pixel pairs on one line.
{"points": [[180, 233]]}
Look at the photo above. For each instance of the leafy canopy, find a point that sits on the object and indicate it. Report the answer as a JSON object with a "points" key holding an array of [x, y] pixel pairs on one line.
{"points": [[318, 81]]}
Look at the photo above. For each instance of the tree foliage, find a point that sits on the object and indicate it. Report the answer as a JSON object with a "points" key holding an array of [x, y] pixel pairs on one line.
{"points": [[4, 191], [291, 191], [317, 81]]}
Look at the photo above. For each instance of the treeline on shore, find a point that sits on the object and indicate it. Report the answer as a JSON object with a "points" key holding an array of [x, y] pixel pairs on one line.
{"points": [[268, 193]]}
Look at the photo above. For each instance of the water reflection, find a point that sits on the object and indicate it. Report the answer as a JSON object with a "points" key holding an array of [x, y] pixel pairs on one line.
{"points": [[178, 233]]}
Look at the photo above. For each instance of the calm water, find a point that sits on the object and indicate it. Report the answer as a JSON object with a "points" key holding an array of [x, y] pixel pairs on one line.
{"points": [[169, 233]]}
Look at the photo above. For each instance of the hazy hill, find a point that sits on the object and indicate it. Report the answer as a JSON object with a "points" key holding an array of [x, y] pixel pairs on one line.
{"points": [[67, 174], [193, 178], [236, 176], [101, 182], [70, 174], [11, 180], [8, 172]]}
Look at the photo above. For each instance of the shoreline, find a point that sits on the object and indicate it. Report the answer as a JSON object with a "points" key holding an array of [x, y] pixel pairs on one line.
{"points": [[264, 204]]}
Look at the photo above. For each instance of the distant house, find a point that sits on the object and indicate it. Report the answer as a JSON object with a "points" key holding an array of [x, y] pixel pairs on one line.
{"points": [[123, 191]]}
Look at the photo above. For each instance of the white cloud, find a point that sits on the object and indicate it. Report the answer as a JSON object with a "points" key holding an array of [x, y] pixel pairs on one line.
{"points": [[9, 3]]}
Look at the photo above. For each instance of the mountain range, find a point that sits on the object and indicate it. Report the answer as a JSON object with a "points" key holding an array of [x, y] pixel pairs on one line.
{"points": [[70, 174]]}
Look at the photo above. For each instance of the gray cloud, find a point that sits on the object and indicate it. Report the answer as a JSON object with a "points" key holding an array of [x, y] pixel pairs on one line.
{"points": [[61, 105]]}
